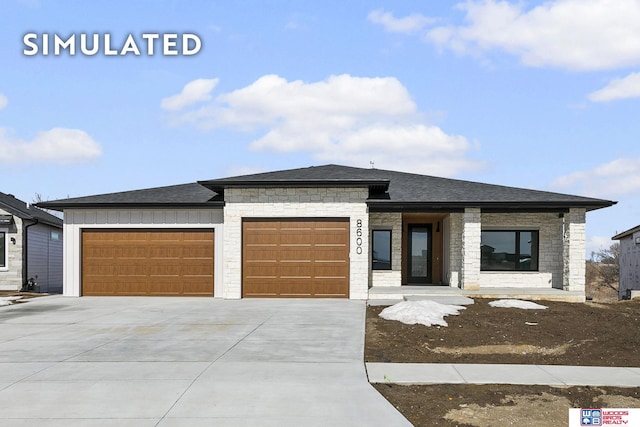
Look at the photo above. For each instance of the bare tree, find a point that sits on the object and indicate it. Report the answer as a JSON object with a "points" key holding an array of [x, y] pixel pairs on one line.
{"points": [[604, 267], [37, 198]]}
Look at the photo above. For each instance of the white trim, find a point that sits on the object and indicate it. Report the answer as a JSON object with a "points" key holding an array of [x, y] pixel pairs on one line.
{"points": [[78, 220]]}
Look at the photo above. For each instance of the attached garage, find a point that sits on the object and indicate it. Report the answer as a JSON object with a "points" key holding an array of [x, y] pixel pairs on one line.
{"points": [[295, 258], [147, 262]]}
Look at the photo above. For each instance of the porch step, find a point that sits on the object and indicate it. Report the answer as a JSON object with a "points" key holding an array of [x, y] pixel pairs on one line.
{"points": [[400, 293]]}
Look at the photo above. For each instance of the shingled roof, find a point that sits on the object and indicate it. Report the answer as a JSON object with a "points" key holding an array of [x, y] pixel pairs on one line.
{"points": [[401, 191], [191, 195], [388, 191], [17, 207]]}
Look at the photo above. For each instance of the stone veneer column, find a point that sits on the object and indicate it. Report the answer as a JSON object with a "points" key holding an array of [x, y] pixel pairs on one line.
{"points": [[471, 234], [573, 278]]}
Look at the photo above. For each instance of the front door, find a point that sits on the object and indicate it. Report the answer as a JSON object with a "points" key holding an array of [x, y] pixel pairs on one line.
{"points": [[419, 260]]}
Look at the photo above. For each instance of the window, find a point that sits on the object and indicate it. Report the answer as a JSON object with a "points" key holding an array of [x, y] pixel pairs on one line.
{"points": [[54, 235], [381, 250], [512, 250], [3, 249]]}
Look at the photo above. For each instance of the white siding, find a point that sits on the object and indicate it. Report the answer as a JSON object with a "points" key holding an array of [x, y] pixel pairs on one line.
{"points": [[77, 220], [297, 203]]}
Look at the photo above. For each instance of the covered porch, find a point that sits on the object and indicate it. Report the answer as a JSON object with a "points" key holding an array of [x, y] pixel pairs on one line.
{"points": [[478, 252]]}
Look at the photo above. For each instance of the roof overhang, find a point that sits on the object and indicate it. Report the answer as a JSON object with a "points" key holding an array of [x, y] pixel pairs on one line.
{"points": [[627, 233], [60, 207], [378, 185], [489, 207]]}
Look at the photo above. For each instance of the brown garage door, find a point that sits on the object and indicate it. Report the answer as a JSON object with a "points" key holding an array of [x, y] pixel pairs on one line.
{"points": [[295, 258], [147, 262]]}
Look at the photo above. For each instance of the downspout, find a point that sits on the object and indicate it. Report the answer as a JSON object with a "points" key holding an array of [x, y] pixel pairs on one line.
{"points": [[25, 254]]}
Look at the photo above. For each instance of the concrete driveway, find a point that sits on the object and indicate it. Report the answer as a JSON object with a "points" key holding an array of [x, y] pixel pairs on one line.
{"points": [[119, 361]]}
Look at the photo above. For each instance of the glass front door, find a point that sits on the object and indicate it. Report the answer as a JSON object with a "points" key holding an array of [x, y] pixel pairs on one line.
{"points": [[419, 260]]}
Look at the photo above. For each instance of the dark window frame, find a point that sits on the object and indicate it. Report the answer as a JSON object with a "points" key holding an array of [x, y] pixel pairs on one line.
{"points": [[375, 264], [517, 264], [4, 250]]}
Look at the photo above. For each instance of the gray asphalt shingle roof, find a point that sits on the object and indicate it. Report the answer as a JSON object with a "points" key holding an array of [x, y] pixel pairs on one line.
{"points": [[408, 188], [390, 190], [19, 208], [184, 195]]}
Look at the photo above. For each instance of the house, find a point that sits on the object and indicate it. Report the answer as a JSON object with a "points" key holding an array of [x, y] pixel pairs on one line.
{"points": [[30, 247], [629, 263], [325, 231]]}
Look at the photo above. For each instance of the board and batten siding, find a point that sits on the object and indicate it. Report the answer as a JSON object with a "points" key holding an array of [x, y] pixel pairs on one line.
{"points": [[44, 258], [76, 220]]}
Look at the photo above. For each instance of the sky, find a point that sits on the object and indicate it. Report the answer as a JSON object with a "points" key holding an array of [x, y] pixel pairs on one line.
{"points": [[532, 94]]}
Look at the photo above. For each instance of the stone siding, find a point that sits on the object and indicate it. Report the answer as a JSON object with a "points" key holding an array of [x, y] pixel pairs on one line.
{"points": [[455, 249], [574, 251], [393, 222], [296, 203], [471, 249], [11, 275], [550, 250]]}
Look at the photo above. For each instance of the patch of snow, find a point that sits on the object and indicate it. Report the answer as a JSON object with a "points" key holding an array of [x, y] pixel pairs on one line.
{"points": [[516, 303], [8, 300], [426, 313]]}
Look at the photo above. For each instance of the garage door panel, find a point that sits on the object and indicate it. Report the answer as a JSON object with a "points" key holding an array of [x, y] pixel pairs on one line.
{"points": [[147, 262], [288, 254], [338, 270], [285, 258], [254, 272]]}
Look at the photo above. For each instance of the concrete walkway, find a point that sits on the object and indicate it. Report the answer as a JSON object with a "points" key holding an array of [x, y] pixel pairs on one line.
{"points": [[555, 375], [118, 361]]}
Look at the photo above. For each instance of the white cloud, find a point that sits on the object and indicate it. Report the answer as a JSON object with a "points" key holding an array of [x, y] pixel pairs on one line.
{"points": [[596, 244], [608, 180], [344, 119], [193, 92], [566, 34], [3, 101], [628, 87], [409, 24], [57, 145]]}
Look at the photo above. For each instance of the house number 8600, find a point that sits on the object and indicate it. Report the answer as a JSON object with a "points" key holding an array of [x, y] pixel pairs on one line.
{"points": [[359, 236]]}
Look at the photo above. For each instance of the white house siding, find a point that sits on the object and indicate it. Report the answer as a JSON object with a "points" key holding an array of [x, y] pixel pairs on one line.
{"points": [[471, 229], [550, 245], [11, 275], [76, 220], [629, 265], [393, 222], [45, 258], [574, 251], [296, 203]]}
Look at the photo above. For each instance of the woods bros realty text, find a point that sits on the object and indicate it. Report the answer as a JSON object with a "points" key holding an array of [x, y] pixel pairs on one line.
{"points": [[149, 44]]}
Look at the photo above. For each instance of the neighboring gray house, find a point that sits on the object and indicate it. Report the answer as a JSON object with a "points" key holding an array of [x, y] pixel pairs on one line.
{"points": [[326, 231], [629, 262], [30, 247]]}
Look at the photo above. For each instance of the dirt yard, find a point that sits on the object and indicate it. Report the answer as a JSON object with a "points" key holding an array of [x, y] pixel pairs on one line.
{"points": [[590, 334]]}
